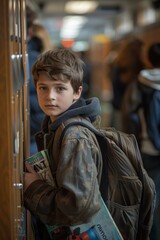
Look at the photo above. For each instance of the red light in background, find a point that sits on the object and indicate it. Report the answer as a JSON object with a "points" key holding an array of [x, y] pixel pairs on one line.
{"points": [[67, 43]]}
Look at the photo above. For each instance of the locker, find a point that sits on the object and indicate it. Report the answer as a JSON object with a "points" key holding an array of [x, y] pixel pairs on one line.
{"points": [[14, 139]]}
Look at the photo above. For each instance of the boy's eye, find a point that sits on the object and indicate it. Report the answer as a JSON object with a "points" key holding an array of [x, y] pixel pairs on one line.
{"points": [[42, 88], [60, 89]]}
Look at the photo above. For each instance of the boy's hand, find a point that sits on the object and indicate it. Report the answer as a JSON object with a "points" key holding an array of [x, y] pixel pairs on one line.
{"points": [[29, 176]]}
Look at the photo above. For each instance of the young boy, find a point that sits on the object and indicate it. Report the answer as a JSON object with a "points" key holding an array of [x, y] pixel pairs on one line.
{"points": [[76, 166]]}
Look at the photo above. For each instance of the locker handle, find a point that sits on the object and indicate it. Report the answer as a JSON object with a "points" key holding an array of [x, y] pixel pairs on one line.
{"points": [[18, 185]]}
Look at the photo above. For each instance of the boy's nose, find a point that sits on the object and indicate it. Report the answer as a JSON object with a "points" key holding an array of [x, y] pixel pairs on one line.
{"points": [[52, 94]]}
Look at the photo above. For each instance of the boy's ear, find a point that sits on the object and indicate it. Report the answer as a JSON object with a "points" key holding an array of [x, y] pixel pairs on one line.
{"points": [[78, 93]]}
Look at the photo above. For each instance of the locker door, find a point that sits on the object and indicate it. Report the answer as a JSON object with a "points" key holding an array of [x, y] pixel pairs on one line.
{"points": [[14, 136]]}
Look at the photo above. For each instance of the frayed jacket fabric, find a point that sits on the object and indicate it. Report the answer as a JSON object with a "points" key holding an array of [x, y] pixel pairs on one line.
{"points": [[76, 168]]}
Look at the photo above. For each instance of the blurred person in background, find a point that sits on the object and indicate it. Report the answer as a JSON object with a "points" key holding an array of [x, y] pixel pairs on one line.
{"points": [[124, 70], [41, 32], [86, 73], [149, 114], [34, 48], [38, 41]]}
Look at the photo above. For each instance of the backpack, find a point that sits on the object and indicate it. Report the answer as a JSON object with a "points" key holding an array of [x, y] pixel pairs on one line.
{"points": [[125, 186]]}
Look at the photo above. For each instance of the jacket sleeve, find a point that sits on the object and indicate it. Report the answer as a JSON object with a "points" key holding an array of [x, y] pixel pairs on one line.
{"points": [[77, 197]]}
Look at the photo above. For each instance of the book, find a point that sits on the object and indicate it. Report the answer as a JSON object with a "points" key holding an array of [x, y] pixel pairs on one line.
{"points": [[40, 163], [100, 227]]}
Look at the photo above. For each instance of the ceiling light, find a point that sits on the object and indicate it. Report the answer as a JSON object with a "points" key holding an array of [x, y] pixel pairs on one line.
{"points": [[80, 7], [71, 26]]}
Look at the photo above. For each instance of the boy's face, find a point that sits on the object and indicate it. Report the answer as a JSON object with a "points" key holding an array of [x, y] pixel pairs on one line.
{"points": [[55, 97]]}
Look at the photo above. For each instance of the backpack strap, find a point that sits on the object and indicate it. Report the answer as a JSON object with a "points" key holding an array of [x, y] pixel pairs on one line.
{"points": [[102, 141], [85, 123]]}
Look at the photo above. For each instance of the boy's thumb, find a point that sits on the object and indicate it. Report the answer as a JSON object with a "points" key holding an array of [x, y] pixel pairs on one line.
{"points": [[29, 168]]}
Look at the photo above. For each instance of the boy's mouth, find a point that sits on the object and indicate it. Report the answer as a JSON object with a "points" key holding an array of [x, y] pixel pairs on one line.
{"points": [[51, 106]]}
